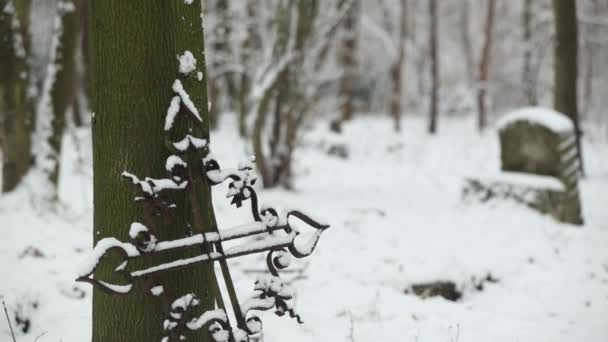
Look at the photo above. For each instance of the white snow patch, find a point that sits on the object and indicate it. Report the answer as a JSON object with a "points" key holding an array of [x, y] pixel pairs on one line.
{"points": [[208, 316], [173, 161], [188, 140], [172, 112], [187, 62], [100, 249], [136, 228], [555, 121], [179, 89]]}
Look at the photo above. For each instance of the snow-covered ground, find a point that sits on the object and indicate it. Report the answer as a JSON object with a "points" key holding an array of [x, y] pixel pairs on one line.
{"points": [[397, 219]]}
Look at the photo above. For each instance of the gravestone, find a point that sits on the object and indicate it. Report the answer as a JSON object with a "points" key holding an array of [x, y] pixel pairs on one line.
{"points": [[539, 164]]}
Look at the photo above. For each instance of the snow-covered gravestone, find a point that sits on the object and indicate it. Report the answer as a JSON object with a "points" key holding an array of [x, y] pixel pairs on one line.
{"points": [[539, 163], [269, 232]]}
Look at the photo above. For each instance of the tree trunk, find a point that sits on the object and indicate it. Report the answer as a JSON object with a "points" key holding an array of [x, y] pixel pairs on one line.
{"points": [[64, 87], [221, 86], [529, 85], [397, 69], [245, 78], [484, 67], [16, 108], [347, 58], [566, 65], [434, 68], [467, 46], [133, 49]]}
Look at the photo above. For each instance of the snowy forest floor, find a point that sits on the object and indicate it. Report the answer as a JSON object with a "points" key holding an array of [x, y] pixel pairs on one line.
{"points": [[397, 219]]}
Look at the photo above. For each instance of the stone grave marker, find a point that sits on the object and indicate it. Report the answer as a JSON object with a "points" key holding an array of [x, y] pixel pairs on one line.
{"points": [[539, 164]]}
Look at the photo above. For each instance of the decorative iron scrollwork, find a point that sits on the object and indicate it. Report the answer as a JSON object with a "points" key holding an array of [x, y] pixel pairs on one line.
{"points": [[271, 228]]}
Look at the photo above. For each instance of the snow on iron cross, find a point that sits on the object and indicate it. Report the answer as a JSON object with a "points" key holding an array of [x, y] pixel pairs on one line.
{"points": [[274, 235]]}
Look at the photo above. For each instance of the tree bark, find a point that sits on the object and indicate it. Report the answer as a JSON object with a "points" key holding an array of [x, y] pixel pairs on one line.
{"points": [[397, 69], [16, 107], [467, 46], [528, 78], [64, 87], [434, 68], [245, 79], [348, 60], [566, 65], [484, 66], [133, 49], [221, 86]]}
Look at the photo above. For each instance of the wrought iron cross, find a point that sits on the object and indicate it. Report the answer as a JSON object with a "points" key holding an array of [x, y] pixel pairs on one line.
{"points": [[273, 232]]}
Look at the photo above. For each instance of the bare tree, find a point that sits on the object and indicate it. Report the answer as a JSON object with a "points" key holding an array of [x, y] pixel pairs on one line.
{"points": [[397, 68], [566, 65], [467, 46], [484, 66], [16, 106], [528, 76], [347, 56], [434, 67]]}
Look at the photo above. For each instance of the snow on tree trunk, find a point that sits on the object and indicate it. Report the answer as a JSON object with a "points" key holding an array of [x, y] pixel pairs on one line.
{"points": [[16, 109], [134, 49]]}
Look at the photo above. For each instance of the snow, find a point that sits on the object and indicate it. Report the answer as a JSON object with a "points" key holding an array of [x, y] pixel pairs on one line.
{"points": [[199, 76], [187, 62], [188, 141], [157, 290], [179, 89], [208, 316], [525, 179], [397, 219], [122, 289], [100, 249], [137, 228], [258, 304], [172, 112], [153, 186], [173, 161], [176, 263], [555, 121], [188, 2], [306, 243], [185, 302]]}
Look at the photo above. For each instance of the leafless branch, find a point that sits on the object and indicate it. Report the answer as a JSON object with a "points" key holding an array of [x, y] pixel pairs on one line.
{"points": [[9, 322]]}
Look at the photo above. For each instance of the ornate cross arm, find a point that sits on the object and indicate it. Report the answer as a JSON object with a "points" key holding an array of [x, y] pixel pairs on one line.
{"points": [[275, 237], [189, 167]]}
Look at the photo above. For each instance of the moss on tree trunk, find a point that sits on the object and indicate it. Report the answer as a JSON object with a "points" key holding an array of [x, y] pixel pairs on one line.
{"points": [[133, 49]]}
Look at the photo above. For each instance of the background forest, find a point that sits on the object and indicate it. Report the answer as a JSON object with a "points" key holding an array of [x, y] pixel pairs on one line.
{"points": [[372, 114]]}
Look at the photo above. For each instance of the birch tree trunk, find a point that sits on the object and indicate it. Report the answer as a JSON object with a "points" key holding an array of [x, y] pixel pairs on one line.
{"points": [[566, 65], [16, 108], [133, 49]]}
